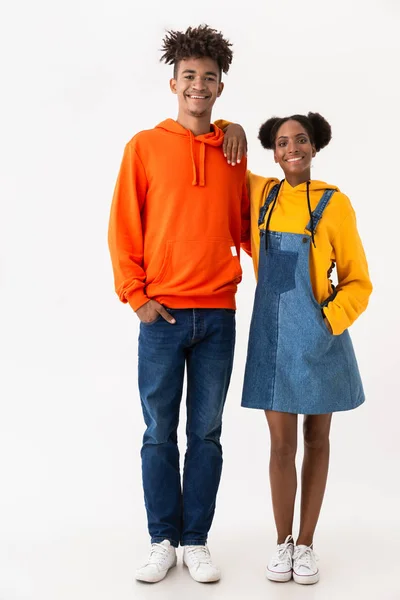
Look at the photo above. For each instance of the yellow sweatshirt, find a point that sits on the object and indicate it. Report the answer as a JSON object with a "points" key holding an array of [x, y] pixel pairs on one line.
{"points": [[337, 240]]}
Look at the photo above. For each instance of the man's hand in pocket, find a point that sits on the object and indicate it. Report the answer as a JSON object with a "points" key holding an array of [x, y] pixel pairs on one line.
{"points": [[149, 312]]}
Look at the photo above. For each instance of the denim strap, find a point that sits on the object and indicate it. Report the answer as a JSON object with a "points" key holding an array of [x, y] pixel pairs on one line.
{"points": [[267, 203], [321, 206]]}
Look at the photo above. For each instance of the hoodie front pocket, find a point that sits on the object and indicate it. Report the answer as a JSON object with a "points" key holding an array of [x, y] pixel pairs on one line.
{"points": [[199, 266]]}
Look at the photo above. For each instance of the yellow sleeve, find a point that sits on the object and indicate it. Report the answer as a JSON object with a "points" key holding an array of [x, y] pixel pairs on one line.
{"points": [[246, 224], [222, 124], [354, 287], [258, 189]]}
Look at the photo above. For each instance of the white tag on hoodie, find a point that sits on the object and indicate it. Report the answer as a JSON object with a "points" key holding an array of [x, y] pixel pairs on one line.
{"points": [[233, 250]]}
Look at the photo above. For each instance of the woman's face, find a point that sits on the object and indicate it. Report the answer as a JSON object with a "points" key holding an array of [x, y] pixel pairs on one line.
{"points": [[294, 151]]}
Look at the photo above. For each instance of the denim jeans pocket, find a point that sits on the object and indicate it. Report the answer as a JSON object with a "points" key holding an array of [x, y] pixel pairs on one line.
{"points": [[280, 270], [151, 322]]}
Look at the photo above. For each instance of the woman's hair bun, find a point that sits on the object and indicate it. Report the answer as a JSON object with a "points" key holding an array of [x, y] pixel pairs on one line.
{"points": [[265, 134], [322, 130], [316, 126]]}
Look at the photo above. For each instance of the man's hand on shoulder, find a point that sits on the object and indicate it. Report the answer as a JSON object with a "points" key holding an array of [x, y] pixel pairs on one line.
{"points": [[149, 312], [235, 143]]}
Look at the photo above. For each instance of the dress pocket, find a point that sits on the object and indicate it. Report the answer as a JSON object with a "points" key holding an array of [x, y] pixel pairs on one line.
{"points": [[280, 270], [321, 321]]}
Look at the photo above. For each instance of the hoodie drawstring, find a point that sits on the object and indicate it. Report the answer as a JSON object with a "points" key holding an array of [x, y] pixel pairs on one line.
{"points": [[194, 182], [213, 138], [202, 181], [273, 206], [202, 164], [270, 214], [310, 213]]}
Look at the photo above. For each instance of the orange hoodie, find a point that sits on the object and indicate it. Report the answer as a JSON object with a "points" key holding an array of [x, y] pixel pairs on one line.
{"points": [[178, 216]]}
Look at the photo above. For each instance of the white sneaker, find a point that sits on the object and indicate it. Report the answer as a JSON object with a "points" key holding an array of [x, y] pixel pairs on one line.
{"points": [[162, 558], [280, 566], [198, 560], [305, 570]]}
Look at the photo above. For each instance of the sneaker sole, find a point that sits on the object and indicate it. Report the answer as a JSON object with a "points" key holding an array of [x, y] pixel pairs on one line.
{"points": [[280, 577], [200, 579], [162, 576], [306, 579]]}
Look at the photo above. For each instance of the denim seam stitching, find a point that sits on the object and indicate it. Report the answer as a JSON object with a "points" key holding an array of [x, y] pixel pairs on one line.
{"points": [[276, 354]]}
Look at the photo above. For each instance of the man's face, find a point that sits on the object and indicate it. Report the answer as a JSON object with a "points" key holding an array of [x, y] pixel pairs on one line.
{"points": [[197, 86]]}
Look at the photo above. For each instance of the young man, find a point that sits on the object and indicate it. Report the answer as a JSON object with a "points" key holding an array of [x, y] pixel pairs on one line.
{"points": [[178, 217]]}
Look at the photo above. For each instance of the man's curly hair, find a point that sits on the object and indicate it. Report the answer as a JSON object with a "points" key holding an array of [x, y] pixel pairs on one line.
{"points": [[196, 42]]}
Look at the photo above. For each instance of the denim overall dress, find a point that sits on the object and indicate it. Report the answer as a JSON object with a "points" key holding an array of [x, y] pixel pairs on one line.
{"points": [[294, 364]]}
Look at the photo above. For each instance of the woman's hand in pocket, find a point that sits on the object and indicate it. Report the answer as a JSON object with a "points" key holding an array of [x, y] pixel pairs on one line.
{"points": [[328, 325]]}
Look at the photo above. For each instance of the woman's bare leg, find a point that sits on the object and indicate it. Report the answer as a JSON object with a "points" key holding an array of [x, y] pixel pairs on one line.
{"points": [[314, 473], [282, 469]]}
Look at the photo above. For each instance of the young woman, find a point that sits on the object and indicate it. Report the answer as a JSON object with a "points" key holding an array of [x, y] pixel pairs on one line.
{"points": [[300, 356]]}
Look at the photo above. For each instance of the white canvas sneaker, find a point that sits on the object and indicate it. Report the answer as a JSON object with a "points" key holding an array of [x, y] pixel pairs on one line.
{"points": [[162, 558], [280, 566], [305, 570], [198, 560]]}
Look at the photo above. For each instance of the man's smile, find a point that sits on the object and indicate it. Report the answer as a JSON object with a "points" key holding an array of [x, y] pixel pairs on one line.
{"points": [[197, 96]]}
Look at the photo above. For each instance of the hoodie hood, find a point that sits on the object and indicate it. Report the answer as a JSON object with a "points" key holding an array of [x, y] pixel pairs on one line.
{"points": [[315, 186], [215, 137], [295, 196]]}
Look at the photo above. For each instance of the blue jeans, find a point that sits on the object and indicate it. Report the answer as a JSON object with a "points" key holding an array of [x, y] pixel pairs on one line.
{"points": [[203, 340]]}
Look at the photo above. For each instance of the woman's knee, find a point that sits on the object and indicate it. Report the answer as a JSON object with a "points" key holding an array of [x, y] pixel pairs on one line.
{"points": [[283, 449], [283, 433], [316, 431]]}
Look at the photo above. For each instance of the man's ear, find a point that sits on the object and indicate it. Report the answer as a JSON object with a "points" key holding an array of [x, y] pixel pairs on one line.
{"points": [[220, 88], [172, 85]]}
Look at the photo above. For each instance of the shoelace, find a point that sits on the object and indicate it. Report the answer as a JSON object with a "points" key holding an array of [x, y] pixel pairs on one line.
{"points": [[305, 556], [157, 551], [200, 554], [282, 552]]}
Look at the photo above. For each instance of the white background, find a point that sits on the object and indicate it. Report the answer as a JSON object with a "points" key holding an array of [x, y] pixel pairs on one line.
{"points": [[78, 80]]}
